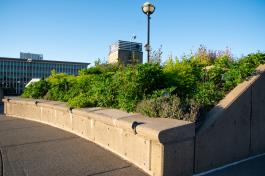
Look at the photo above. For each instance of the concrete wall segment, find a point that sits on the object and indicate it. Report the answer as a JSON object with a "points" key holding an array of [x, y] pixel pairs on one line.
{"points": [[160, 129], [235, 128], [84, 111], [177, 158], [112, 129], [225, 103], [258, 116]]}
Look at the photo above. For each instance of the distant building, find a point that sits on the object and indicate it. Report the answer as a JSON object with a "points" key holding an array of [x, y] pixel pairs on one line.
{"points": [[31, 56], [15, 73], [125, 52]]}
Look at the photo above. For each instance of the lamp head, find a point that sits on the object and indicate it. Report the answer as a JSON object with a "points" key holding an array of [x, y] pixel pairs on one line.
{"points": [[148, 8]]}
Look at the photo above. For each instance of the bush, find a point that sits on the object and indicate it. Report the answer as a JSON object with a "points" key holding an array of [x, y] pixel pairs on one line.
{"points": [[168, 107], [100, 69], [112, 86], [59, 86], [136, 82], [182, 75], [36, 90], [231, 78], [180, 89], [207, 94], [80, 101]]}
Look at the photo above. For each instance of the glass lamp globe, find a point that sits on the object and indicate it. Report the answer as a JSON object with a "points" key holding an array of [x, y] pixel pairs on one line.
{"points": [[148, 8]]}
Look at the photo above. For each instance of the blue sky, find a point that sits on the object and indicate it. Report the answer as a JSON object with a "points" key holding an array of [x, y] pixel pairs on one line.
{"points": [[82, 30]]}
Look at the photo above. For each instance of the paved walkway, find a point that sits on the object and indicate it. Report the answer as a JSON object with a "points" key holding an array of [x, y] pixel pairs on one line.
{"points": [[34, 149], [254, 167]]}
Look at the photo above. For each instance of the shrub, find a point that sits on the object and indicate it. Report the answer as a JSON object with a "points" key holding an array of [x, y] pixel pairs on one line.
{"points": [[102, 91], [59, 85], [136, 82], [247, 64], [80, 101], [181, 89], [231, 78], [36, 90], [168, 107], [208, 94], [182, 75], [100, 69]]}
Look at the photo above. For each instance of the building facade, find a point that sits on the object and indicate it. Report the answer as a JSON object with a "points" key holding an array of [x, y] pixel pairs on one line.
{"points": [[125, 52], [15, 73]]}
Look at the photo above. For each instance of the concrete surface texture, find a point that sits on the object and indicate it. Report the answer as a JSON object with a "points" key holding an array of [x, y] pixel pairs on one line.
{"points": [[235, 128], [253, 167], [33, 149], [161, 147]]}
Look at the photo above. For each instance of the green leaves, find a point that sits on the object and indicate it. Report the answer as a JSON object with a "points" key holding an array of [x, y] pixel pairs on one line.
{"points": [[178, 89], [36, 90], [182, 75], [207, 93], [136, 82], [169, 107]]}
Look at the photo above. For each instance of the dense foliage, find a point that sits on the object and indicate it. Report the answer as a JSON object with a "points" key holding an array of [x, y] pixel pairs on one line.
{"points": [[180, 88]]}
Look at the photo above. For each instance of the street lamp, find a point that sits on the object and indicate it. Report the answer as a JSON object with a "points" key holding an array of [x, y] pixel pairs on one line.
{"points": [[148, 9]]}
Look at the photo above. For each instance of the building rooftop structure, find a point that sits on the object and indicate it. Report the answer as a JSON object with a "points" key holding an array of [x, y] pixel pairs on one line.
{"points": [[125, 52], [126, 45], [31, 56]]}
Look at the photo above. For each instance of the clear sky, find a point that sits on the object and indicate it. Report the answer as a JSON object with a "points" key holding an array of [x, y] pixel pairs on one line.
{"points": [[82, 30]]}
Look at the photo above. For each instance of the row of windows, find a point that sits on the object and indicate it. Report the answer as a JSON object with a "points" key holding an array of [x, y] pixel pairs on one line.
{"points": [[14, 68], [23, 65], [34, 72], [16, 74]]}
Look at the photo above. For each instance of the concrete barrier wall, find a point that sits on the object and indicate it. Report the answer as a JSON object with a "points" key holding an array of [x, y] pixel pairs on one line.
{"points": [[235, 128], [158, 146], [258, 117]]}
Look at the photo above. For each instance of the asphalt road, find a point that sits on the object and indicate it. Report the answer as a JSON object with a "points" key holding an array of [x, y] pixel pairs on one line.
{"points": [[34, 149]]}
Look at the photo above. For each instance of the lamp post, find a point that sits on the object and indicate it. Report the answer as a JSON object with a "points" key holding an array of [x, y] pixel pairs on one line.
{"points": [[148, 9]]}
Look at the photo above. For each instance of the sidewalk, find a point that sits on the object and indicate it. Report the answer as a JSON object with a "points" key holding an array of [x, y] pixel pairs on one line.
{"points": [[34, 149]]}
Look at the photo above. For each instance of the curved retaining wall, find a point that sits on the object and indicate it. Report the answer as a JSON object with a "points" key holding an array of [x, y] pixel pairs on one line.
{"points": [[158, 146], [235, 128]]}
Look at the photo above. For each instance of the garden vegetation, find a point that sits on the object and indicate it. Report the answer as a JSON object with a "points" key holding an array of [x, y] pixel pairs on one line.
{"points": [[183, 88]]}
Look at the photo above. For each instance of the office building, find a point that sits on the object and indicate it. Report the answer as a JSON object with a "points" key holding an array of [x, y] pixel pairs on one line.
{"points": [[15, 73], [125, 52]]}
